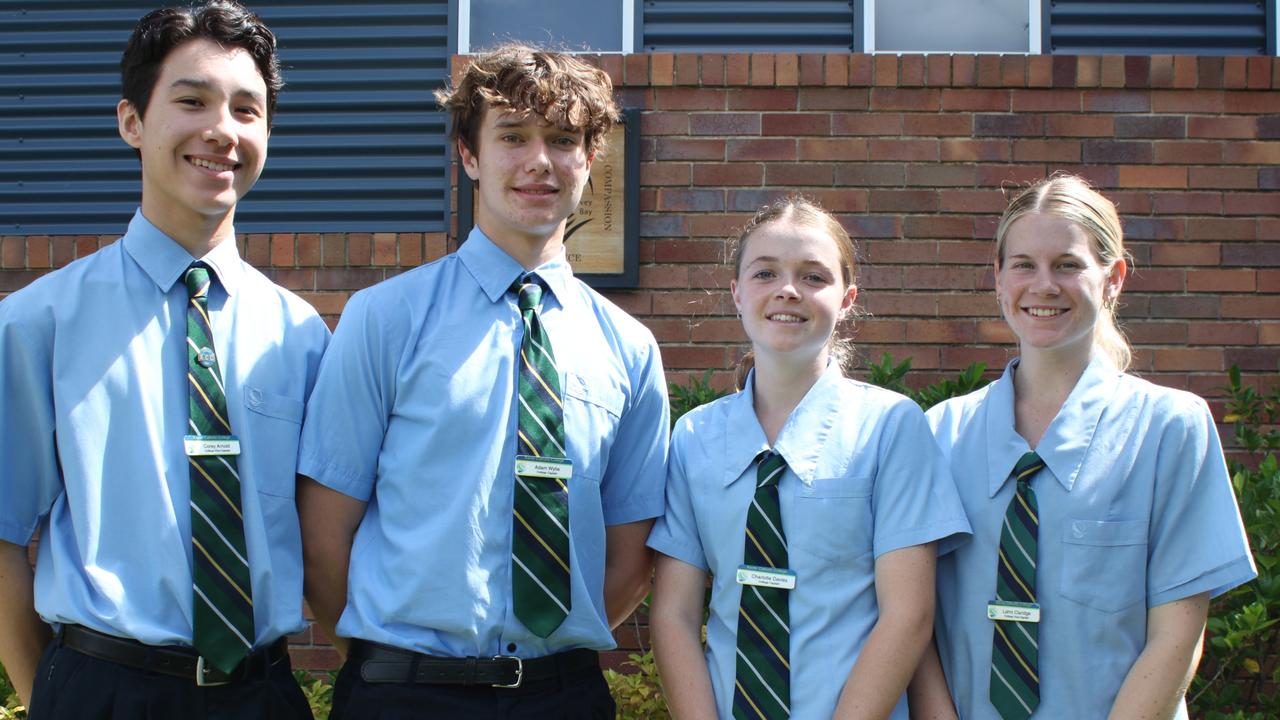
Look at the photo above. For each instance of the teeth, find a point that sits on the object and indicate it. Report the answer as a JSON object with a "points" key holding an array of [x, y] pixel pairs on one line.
{"points": [[783, 317], [1045, 312], [217, 167]]}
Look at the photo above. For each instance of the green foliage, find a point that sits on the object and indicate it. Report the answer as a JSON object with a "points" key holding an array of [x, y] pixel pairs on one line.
{"points": [[892, 376], [684, 398], [318, 691], [1239, 677], [638, 694], [10, 706]]}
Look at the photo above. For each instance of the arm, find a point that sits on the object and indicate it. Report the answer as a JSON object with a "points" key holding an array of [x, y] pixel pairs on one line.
{"points": [[23, 635], [927, 696], [904, 593], [676, 624], [628, 566], [329, 520], [1158, 680]]}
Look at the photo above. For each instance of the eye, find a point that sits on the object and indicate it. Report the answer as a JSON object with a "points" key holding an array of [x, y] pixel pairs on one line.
{"points": [[509, 138], [249, 110], [817, 278], [763, 274], [1069, 265], [567, 141], [189, 101]]}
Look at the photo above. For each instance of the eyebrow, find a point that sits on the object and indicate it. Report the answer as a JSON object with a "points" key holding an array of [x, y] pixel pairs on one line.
{"points": [[205, 85]]}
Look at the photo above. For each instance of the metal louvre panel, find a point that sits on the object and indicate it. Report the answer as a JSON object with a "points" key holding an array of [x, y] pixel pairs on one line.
{"points": [[748, 25], [1206, 27], [358, 144]]}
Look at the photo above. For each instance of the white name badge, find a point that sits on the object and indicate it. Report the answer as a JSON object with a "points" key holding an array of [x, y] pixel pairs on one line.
{"points": [[766, 577], [1013, 611], [558, 468], [197, 445]]}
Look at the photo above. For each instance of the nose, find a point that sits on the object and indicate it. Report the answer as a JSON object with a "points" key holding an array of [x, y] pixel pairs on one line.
{"points": [[220, 130], [537, 160], [1044, 282], [787, 289]]}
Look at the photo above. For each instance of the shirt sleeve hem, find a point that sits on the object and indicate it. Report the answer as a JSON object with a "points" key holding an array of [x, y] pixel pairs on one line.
{"points": [[17, 534], [683, 552], [1215, 582], [332, 477], [949, 533], [643, 508]]}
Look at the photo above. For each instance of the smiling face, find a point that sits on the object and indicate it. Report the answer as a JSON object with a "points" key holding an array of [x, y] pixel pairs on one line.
{"points": [[1052, 287], [791, 291], [202, 138], [530, 175]]}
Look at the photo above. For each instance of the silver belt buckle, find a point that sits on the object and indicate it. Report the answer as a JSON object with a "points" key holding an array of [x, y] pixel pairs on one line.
{"points": [[219, 678], [519, 671]]}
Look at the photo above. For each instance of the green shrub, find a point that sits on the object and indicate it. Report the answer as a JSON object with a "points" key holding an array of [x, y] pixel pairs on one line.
{"points": [[318, 691], [638, 694], [684, 398], [1239, 675], [891, 376], [10, 706]]}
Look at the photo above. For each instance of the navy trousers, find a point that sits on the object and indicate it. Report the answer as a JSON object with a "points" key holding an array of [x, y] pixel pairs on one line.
{"points": [[72, 686]]}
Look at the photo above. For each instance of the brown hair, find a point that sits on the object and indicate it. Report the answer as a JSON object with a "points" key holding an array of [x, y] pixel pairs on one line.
{"points": [[1072, 198], [804, 212], [561, 88]]}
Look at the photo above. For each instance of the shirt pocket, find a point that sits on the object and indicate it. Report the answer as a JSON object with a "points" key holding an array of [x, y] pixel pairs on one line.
{"points": [[275, 422], [1104, 563], [592, 411], [833, 516]]}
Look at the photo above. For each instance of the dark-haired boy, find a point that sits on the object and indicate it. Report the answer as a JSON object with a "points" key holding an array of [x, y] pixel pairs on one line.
{"points": [[151, 395], [488, 437]]}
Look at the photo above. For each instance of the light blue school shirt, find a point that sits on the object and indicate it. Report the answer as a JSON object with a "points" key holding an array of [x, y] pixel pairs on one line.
{"points": [[863, 478], [413, 414], [93, 409], [1136, 510]]}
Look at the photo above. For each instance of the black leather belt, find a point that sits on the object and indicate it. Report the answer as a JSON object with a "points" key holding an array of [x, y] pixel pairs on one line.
{"points": [[175, 660], [386, 664]]}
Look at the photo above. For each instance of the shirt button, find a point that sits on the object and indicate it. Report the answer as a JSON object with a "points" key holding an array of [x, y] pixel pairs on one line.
{"points": [[1077, 529], [511, 647], [255, 397]]}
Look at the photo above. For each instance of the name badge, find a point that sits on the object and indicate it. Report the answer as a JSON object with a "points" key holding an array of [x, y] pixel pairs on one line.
{"points": [[1013, 611], [766, 577], [197, 445], [558, 468]]}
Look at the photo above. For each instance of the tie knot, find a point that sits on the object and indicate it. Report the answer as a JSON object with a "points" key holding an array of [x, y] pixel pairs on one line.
{"points": [[771, 466], [528, 290], [1029, 464], [197, 280]]}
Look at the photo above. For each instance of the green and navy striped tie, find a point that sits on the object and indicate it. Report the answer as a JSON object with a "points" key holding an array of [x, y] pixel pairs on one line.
{"points": [[1015, 678], [762, 680], [540, 542], [223, 603]]}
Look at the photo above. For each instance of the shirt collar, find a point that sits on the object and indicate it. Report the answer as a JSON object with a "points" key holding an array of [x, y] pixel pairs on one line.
{"points": [[802, 439], [165, 261], [1066, 441], [494, 270]]}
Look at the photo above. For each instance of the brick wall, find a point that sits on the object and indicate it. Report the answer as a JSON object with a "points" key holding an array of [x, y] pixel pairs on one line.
{"points": [[911, 152]]}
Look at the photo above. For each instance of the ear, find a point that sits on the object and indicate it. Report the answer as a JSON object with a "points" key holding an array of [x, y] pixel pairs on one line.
{"points": [[470, 161], [850, 295], [591, 157], [733, 290], [1115, 280], [129, 123], [996, 270]]}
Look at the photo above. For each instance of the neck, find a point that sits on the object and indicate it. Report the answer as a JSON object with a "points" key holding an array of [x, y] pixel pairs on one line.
{"points": [[197, 235], [778, 387], [1041, 385], [529, 249]]}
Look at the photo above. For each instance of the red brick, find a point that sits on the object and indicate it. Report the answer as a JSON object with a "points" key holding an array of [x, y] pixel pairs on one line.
{"points": [[1211, 280], [664, 173], [999, 176], [1152, 177], [837, 70], [664, 123], [1112, 151], [821, 98], [713, 67], [1161, 71], [384, 249], [860, 69], [904, 150], [1151, 126], [1155, 333], [1209, 71], [670, 251], [796, 124], [1137, 71], [64, 250], [886, 69], [431, 246], [1088, 71], [1234, 73], [988, 71], [835, 149], [840, 200], [1040, 71], [710, 277], [1259, 73], [1046, 101], [938, 71], [1221, 229], [1187, 203], [976, 100], [810, 69], [1251, 204], [1222, 127], [762, 99], [975, 151], [612, 65], [910, 99], [1223, 178], [724, 123], [314, 658], [684, 98], [1253, 153], [869, 174], [1183, 152], [13, 252], [866, 124], [664, 277], [681, 149], [1187, 101], [694, 356], [1257, 359], [934, 175], [1269, 334], [1046, 151], [718, 226], [1165, 359], [686, 200], [1251, 254], [955, 358], [938, 125], [634, 303], [1156, 280], [1269, 281], [970, 252], [911, 71], [901, 304], [308, 249], [661, 68], [686, 69], [942, 331], [877, 330], [879, 277], [1013, 70], [1184, 71], [972, 201], [799, 174], [919, 201], [1119, 101], [359, 248], [707, 174], [862, 226], [994, 332], [762, 149], [737, 69], [636, 69], [1245, 306], [762, 69], [1185, 254], [786, 69], [1182, 306], [1111, 73], [717, 330], [1079, 125]]}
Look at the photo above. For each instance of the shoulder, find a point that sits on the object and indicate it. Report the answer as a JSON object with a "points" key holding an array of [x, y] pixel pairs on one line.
{"points": [[950, 416], [37, 302], [697, 424], [625, 333], [1162, 407]]}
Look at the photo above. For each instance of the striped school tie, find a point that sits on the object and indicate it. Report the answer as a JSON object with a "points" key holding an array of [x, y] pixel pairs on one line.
{"points": [[1015, 678], [762, 679], [223, 616], [540, 543]]}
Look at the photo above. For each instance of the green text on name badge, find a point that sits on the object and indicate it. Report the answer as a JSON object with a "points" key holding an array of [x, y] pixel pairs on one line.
{"points": [[558, 468]]}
